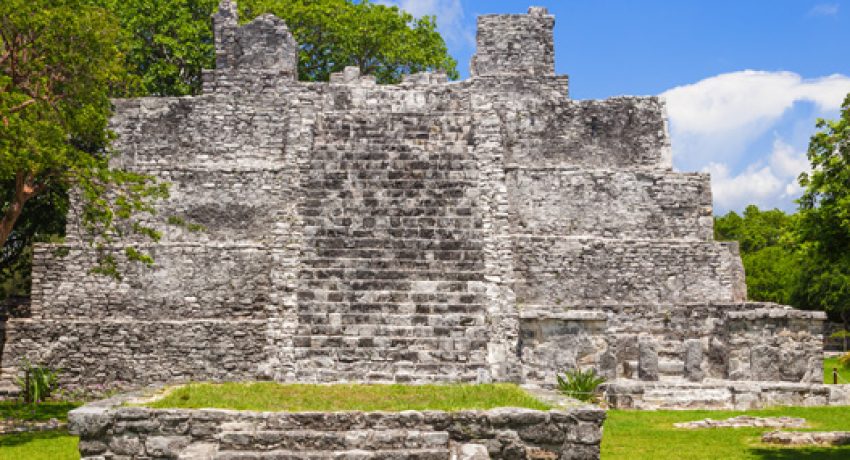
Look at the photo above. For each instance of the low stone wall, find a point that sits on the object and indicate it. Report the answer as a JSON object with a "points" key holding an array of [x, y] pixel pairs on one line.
{"points": [[721, 394], [107, 429]]}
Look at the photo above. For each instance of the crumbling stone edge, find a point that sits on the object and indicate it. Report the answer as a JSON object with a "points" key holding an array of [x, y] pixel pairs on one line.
{"points": [[111, 429]]}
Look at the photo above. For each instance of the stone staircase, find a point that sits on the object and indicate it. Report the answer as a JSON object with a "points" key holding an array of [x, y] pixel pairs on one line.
{"points": [[353, 444], [392, 255]]}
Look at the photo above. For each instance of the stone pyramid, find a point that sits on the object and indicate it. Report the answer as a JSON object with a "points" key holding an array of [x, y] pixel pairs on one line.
{"points": [[490, 229]]}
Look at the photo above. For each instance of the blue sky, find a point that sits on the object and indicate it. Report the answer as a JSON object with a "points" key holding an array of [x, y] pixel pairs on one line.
{"points": [[744, 80]]}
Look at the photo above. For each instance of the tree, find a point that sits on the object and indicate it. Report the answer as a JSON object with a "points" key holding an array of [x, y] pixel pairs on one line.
{"points": [[824, 219], [165, 44], [58, 62], [771, 260], [383, 41], [168, 42]]}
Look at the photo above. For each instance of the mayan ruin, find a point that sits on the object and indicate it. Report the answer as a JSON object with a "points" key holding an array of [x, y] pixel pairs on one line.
{"points": [[490, 229], [434, 231]]}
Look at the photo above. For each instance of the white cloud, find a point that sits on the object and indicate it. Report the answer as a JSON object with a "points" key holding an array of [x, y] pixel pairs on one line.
{"points": [[732, 101], [767, 184], [786, 161], [753, 186], [450, 18], [824, 9], [718, 119]]}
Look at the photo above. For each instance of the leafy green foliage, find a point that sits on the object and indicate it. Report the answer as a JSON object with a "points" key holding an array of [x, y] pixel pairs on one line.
{"points": [[58, 63], [771, 260], [42, 219], [579, 384], [37, 383], [166, 43], [383, 41], [824, 219]]}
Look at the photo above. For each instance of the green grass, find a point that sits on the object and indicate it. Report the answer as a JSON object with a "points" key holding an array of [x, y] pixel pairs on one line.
{"points": [[268, 396], [40, 412], [843, 372], [47, 445], [651, 435]]}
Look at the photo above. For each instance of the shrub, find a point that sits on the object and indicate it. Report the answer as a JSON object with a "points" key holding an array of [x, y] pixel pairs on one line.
{"points": [[581, 385], [37, 382]]}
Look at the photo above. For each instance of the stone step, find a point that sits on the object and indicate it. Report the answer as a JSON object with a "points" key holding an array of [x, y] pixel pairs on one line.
{"points": [[393, 360], [366, 220], [314, 440], [381, 318], [455, 297], [424, 286], [399, 210], [331, 180], [340, 182], [332, 204], [334, 163], [384, 330], [407, 253], [411, 313], [394, 243], [393, 264], [390, 372], [670, 367], [388, 343], [402, 454], [395, 233], [362, 275]]}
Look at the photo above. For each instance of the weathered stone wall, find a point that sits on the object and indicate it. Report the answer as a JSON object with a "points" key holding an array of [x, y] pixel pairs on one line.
{"points": [[102, 354], [108, 430], [774, 344], [515, 44], [610, 203], [592, 271], [746, 341], [426, 231]]}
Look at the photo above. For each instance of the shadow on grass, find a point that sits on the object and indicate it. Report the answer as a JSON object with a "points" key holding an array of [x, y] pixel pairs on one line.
{"points": [[16, 439], [811, 453]]}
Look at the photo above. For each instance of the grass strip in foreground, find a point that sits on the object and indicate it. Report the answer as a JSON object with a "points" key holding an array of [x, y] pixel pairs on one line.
{"points": [[275, 397], [45, 445], [650, 435]]}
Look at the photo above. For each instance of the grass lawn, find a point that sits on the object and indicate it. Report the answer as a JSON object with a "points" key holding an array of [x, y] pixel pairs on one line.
{"points": [[48, 445], [843, 372], [269, 396], [651, 435]]}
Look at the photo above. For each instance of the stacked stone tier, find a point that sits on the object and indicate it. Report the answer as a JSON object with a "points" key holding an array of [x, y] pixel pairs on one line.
{"points": [[577, 271], [629, 204], [97, 352]]}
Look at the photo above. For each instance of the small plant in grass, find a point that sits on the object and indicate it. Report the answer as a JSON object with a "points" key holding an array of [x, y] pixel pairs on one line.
{"points": [[844, 360], [579, 384], [37, 383]]}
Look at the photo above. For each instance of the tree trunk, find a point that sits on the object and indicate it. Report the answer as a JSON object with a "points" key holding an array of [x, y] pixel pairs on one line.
{"points": [[844, 319], [24, 190]]}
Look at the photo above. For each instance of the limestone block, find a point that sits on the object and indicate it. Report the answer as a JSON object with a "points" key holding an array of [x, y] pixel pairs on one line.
{"points": [[647, 360], [693, 360], [471, 452]]}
